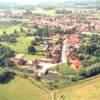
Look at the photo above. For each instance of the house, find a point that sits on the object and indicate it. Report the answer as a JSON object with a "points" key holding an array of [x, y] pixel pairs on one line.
{"points": [[97, 27], [76, 63], [18, 59]]}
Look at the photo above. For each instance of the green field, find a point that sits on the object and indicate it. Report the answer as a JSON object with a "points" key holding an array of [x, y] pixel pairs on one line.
{"points": [[21, 45], [47, 12], [88, 90], [21, 89], [10, 29], [97, 16], [64, 69]]}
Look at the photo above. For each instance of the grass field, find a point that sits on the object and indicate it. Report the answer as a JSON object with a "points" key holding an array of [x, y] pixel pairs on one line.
{"points": [[33, 57], [89, 90], [22, 44], [21, 47], [64, 69], [10, 29], [95, 16], [21, 89], [47, 12]]}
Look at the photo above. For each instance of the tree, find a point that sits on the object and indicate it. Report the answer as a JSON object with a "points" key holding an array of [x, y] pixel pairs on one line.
{"points": [[42, 32], [90, 49], [70, 31], [11, 39], [15, 33], [6, 75], [8, 63], [5, 54], [31, 50], [33, 43], [22, 30]]}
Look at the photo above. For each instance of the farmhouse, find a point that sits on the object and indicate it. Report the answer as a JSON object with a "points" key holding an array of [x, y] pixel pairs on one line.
{"points": [[18, 59]]}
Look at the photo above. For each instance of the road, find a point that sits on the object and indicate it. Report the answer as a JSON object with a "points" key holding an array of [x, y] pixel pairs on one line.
{"points": [[64, 52]]}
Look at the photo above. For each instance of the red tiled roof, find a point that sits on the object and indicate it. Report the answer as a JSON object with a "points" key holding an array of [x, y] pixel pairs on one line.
{"points": [[76, 63]]}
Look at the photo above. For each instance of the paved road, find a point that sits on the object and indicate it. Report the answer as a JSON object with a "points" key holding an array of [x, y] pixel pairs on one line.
{"points": [[64, 52], [47, 66]]}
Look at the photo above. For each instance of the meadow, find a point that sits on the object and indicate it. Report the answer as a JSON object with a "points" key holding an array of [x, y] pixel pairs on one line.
{"points": [[97, 16], [22, 43], [9, 29], [21, 89], [46, 12], [87, 90], [64, 69]]}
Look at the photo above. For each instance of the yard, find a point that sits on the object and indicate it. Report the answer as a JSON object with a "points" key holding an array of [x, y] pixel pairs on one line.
{"points": [[21, 89]]}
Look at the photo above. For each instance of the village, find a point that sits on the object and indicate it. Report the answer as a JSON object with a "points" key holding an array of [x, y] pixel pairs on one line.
{"points": [[61, 52], [56, 50]]}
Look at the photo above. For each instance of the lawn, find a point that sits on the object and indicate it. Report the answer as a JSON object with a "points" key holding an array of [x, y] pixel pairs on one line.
{"points": [[33, 57], [21, 89], [88, 90], [64, 69]]}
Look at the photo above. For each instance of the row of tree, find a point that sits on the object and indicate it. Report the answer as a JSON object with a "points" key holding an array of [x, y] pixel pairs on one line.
{"points": [[12, 38]]}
